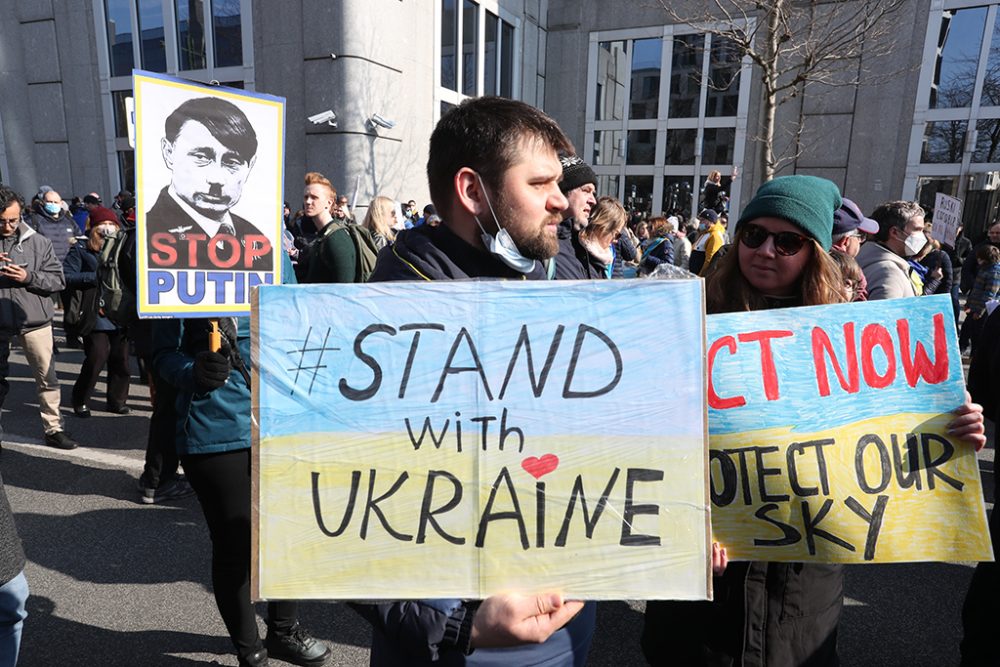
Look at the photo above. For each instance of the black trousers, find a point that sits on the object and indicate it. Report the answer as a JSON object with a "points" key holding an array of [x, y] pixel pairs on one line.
{"points": [[982, 605], [100, 348], [222, 482], [161, 446]]}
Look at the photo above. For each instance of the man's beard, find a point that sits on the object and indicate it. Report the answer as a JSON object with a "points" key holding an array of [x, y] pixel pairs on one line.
{"points": [[535, 243]]}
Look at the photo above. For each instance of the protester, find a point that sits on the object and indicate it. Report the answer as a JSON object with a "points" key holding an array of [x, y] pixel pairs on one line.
{"points": [[682, 246], [853, 277], [711, 239], [335, 258], [937, 265], [30, 274], [104, 343], [985, 288], [13, 585], [659, 249], [970, 266], [493, 174], [579, 185], [981, 611], [771, 613], [379, 220], [54, 223], [213, 439], [598, 240], [712, 195], [883, 260], [80, 213]]}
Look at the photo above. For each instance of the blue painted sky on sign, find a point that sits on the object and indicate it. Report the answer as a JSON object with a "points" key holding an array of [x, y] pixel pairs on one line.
{"points": [[655, 325], [799, 403]]}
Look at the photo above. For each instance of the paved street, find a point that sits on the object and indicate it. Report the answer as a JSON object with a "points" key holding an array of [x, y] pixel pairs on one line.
{"points": [[115, 583]]}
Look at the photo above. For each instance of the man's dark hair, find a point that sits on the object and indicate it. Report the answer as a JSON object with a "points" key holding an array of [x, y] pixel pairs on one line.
{"points": [[223, 119], [894, 214], [484, 134], [8, 197]]}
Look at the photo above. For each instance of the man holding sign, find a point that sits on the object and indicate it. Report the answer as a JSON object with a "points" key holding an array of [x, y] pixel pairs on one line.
{"points": [[494, 177]]}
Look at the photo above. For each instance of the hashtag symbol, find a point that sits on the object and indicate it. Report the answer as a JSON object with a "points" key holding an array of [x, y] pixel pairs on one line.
{"points": [[318, 358]]}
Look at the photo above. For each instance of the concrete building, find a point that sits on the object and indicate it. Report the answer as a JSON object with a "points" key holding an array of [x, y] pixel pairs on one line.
{"points": [[653, 103]]}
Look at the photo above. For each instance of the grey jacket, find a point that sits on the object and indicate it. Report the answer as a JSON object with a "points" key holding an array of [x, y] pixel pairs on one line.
{"points": [[887, 274], [27, 306]]}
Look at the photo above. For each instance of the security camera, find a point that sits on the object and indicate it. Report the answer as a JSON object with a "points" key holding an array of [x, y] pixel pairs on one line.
{"points": [[327, 117], [382, 122]]}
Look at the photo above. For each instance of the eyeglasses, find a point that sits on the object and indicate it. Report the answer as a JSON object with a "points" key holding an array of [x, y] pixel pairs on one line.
{"points": [[10, 221], [785, 243]]}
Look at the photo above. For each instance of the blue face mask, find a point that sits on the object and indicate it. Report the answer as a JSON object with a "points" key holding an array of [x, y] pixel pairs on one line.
{"points": [[52, 208]]}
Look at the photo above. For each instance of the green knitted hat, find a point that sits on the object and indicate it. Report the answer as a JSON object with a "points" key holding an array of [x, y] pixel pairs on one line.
{"points": [[805, 201]]}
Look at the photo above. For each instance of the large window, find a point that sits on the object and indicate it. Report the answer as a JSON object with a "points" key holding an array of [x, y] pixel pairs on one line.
{"points": [[665, 106], [477, 43], [167, 36], [955, 139]]}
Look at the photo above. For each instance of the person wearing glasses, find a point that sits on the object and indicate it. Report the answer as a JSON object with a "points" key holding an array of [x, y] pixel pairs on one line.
{"points": [[767, 613]]}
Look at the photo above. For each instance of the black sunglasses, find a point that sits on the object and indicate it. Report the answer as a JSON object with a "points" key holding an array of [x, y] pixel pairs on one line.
{"points": [[785, 243]]}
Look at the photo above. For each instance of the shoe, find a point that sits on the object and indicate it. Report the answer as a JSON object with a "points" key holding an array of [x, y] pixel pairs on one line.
{"points": [[255, 659], [81, 411], [173, 489], [296, 646], [60, 440], [119, 409]]}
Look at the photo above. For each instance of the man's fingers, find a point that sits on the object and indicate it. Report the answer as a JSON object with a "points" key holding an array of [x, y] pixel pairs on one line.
{"points": [[548, 603]]}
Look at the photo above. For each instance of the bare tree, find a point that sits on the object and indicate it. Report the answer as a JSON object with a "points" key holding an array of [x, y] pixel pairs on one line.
{"points": [[794, 44]]}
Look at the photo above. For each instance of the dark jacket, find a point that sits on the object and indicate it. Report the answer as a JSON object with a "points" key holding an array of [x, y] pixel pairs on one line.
{"points": [[984, 369], [970, 267], [436, 632], [625, 251], [11, 552], [26, 307], [658, 251], [331, 258], [167, 217], [763, 615], [573, 261], [80, 270], [937, 259], [60, 230]]}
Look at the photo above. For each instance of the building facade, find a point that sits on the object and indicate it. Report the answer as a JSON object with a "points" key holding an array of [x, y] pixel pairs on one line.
{"points": [[653, 103]]}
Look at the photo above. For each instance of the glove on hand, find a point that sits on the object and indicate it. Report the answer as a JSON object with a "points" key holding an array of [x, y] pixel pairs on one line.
{"points": [[211, 369]]}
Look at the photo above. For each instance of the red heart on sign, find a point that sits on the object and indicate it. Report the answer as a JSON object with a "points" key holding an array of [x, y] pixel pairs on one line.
{"points": [[539, 467]]}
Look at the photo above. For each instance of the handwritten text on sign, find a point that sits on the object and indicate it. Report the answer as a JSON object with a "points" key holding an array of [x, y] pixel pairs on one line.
{"points": [[829, 435], [461, 439]]}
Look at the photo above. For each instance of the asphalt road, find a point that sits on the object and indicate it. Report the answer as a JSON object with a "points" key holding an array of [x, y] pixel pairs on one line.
{"points": [[119, 584]]}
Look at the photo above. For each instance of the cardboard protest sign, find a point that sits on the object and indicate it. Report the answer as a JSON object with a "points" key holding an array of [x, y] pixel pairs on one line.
{"points": [[947, 218], [208, 197], [829, 435], [465, 438]]}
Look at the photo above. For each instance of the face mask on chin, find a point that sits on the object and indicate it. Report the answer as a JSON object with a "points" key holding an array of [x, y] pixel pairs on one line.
{"points": [[502, 245]]}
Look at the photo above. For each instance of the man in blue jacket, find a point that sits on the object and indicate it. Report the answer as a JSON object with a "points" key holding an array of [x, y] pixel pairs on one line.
{"points": [[494, 177]]}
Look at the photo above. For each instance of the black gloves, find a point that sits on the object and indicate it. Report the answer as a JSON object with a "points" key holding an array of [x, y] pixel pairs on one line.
{"points": [[211, 369]]}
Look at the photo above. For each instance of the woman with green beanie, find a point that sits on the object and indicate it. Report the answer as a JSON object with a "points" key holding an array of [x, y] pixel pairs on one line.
{"points": [[771, 614]]}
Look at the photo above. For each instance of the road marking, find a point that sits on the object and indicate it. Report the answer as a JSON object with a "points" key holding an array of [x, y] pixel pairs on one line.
{"points": [[30, 446]]}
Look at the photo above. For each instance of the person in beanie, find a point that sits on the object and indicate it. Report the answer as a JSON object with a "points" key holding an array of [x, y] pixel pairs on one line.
{"points": [[579, 185], [771, 613]]}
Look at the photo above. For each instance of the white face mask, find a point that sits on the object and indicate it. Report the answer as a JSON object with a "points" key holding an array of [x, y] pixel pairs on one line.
{"points": [[914, 243], [502, 245]]}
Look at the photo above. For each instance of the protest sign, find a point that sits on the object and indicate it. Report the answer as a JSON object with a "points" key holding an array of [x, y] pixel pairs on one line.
{"points": [[209, 196], [828, 431], [947, 218], [466, 438]]}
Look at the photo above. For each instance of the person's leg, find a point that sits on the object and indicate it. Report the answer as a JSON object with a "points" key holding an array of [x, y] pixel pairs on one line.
{"points": [[981, 610], [118, 370], [38, 350], [161, 449], [13, 596], [96, 348], [222, 482]]}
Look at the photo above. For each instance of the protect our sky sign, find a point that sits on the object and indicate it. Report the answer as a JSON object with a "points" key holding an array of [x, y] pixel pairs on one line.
{"points": [[460, 439], [829, 435], [209, 186]]}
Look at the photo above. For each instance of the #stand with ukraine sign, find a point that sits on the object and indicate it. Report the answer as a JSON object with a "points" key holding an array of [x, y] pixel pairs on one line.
{"points": [[209, 196], [467, 438], [829, 437]]}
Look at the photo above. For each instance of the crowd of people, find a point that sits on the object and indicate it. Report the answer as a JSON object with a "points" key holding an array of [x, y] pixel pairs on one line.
{"points": [[511, 200]]}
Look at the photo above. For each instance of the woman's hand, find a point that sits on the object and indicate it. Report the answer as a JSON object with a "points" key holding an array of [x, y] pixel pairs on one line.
{"points": [[967, 425]]}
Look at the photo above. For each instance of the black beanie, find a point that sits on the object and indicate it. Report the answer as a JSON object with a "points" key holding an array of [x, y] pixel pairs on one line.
{"points": [[575, 173], [807, 202]]}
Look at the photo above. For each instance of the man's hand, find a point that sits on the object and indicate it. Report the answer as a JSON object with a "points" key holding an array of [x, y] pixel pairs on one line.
{"points": [[967, 425], [509, 620], [18, 274], [211, 369]]}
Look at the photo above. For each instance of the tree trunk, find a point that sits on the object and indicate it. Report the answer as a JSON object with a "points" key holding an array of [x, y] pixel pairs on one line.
{"points": [[770, 81]]}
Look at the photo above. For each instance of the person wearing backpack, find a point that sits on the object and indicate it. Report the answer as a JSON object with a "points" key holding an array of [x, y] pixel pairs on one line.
{"points": [[340, 253], [104, 342]]}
